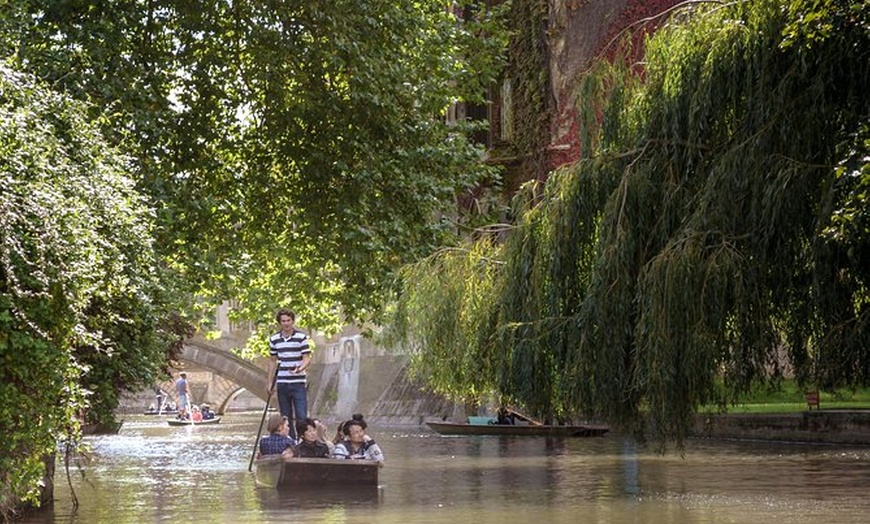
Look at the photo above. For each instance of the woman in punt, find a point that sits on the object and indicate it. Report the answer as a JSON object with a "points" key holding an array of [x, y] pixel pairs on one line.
{"points": [[357, 445], [309, 445]]}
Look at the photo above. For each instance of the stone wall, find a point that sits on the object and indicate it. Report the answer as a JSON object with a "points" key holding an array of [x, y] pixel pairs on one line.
{"points": [[348, 375], [820, 426], [353, 376]]}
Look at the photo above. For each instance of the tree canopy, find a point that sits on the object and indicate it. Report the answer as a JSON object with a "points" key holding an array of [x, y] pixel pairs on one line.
{"points": [[716, 236], [296, 151]]}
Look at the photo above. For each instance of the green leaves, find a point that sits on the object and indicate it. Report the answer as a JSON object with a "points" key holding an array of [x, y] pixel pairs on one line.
{"points": [[714, 239], [281, 142], [448, 309], [279, 152], [77, 278]]}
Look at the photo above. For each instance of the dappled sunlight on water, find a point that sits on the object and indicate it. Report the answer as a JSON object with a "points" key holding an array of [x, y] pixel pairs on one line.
{"points": [[152, 472]]}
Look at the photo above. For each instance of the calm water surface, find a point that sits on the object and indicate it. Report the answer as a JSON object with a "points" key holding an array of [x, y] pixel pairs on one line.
{"points": [[151, 472]]}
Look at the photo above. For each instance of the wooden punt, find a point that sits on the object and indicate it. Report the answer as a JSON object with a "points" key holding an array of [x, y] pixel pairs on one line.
{"points": [[176, 422], [316, 473], [520, 430]]}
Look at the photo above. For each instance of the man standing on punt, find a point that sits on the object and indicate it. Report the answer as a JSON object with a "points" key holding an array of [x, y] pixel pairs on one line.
{"points": [[291, 356], [183, 390]]}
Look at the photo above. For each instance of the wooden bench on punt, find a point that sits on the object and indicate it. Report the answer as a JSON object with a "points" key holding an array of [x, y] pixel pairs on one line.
{"points": [[316, 473]]}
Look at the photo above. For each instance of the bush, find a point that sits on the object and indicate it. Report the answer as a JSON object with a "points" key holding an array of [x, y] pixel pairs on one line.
{"points": [[77, 278]]}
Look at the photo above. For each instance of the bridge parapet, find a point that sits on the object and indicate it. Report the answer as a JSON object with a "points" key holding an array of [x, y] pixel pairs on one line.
{"points": [[246, 374]]}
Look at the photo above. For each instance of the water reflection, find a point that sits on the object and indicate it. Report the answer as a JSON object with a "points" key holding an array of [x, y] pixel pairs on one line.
{"points": [[357, 497], [151, 472]]}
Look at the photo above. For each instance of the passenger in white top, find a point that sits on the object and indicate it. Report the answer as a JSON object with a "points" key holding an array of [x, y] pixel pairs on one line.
{"points": [[357, 445]]}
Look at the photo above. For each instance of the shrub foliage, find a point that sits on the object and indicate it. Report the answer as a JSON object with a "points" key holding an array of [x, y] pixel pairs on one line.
{"points": [[80, 311]]}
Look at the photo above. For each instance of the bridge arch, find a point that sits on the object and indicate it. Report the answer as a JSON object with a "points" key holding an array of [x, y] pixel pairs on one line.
{"points": [[226, 374], [222, 407], [243, 374]]}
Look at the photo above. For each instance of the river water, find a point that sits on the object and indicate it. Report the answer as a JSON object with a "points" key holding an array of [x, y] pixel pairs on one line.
{"points": [[151, 472]]}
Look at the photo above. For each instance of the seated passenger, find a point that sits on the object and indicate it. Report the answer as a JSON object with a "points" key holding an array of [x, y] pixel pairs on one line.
{"points": [[207, 413], [358, 445], [309, 446], [341, 434], [505, 416], [196, 414], [278, 441]]}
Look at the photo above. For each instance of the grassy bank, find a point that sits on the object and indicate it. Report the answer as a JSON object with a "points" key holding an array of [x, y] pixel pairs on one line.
{"points": [[789, 399]]}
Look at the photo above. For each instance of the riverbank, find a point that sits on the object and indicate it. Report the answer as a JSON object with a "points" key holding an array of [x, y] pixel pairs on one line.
{"points": [[828, 426]]}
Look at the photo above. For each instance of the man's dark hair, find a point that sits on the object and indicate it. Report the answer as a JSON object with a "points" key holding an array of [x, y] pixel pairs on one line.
{"points": [[353, 422], [302, 426], [285, 312]]}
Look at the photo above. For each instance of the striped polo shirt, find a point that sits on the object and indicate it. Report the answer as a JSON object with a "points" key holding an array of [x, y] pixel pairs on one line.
{"points": [[289, 351]]}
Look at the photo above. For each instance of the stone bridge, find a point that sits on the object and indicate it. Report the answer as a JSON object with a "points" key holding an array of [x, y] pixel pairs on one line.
{"points": [[348, 375], [229, 374], [216, 375]]}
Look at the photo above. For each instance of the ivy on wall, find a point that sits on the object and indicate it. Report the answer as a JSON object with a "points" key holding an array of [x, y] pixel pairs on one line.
{"points": [[528, 73]]}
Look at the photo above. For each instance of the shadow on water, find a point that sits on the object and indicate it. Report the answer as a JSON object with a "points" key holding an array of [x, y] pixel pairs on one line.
{"points": [[277, 500]]}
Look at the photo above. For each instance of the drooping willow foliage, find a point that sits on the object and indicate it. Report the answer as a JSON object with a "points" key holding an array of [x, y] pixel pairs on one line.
{"points": [[453, 315], [716, 236]]}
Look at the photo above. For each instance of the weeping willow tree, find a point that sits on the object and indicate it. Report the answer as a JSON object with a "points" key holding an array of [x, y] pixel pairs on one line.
{"points": [[717, 232], [452, 315]]}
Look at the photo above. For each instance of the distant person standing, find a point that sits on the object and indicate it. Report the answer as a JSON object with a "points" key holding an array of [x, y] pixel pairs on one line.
{"points": [[291, 356], [160, 399], [183, 389]]}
